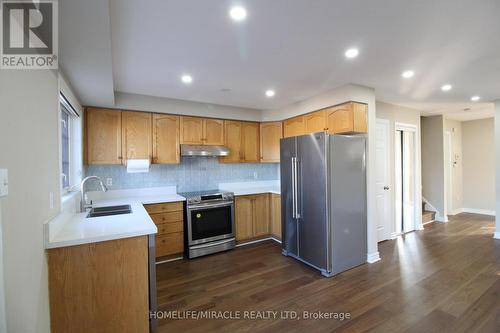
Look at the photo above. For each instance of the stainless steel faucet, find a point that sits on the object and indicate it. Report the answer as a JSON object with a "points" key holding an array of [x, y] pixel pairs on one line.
{"points": [[84, 205]]}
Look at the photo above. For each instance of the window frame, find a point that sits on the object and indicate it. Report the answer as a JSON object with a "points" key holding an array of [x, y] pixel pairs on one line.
{"points": [[74, 127]]}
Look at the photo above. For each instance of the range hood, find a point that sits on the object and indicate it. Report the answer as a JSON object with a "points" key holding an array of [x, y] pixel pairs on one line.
{"points": [[200, 150]]}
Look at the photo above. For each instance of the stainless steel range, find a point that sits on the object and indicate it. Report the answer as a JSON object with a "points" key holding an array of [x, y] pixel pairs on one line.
{"points": [[209, 222]]}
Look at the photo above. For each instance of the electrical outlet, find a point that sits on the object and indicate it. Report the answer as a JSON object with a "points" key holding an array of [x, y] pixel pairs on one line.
{"points": [[109, 181]]}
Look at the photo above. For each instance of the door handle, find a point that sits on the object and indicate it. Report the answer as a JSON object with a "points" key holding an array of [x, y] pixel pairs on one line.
{"points": [[386, 188], [293, 188], [297, 183]]}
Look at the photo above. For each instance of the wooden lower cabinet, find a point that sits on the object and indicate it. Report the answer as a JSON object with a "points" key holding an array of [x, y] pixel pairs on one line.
{"points": [[100, 287], [275, 224], [252, 216], [169, 219]]}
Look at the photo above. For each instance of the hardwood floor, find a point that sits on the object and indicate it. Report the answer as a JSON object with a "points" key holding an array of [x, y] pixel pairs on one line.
{"points": [[445, 278]]}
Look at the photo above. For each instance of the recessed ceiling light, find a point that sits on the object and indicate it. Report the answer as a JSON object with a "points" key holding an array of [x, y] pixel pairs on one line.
{"points": [[351, 53], [270, 93], [238, 13], [187, 79], [408, 74], [446, 87], [475, 98]]}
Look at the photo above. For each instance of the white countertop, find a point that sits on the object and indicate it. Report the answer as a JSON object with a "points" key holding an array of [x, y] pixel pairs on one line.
{"points": [[256, 187], [75, 229]]}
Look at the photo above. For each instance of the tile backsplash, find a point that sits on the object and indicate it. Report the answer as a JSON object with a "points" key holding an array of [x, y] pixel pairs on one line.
{"points": [[192, 174]]}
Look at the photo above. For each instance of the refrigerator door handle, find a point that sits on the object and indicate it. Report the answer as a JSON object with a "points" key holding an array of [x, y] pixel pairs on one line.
{"points": [[297, 188], [293, 188]]}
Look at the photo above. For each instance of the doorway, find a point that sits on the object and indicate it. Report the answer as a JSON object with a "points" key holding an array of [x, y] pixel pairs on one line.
{"points": [[405, 185]]}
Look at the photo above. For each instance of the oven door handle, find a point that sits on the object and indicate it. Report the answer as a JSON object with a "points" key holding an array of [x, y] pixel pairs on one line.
{"points": [[225, 204], [212, 244]]}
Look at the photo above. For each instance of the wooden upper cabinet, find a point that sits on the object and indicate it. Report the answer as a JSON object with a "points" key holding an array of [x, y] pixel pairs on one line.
{"points": [[250, 142], [136, 135], [166, 148], [347, 118], [202, 131], [213, 132], [242, 139], [294, 127], [232, 133], [315, 122], [103, 136], [270, 135], [191, 130]]}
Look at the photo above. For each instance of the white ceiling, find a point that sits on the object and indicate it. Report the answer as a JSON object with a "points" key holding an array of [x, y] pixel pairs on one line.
{"points": [[296, 47]]}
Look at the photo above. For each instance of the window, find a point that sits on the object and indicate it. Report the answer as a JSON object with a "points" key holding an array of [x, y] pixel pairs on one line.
{"points": [[70, 145], [65, 116]]}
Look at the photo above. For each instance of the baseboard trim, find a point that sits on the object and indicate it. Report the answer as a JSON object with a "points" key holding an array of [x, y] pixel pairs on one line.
{"points": [[394, 235], [440, 218], [479, 211], [496, 235], [428, 222], [419, 227], [372, 257], [259, 241]]}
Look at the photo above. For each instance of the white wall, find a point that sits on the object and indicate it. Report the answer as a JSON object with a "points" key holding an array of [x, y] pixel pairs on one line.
{"points": [[30, 151], [402, 115], [478, 141], [334, 97], [454, 127], [433, 178], [3, 324], [176, 106]]}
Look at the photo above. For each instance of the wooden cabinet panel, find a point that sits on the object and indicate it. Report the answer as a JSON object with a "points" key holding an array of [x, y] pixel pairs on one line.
{"points": [[270, 135], [170, 228], [347, 118], [294, 127], [244, 217], [166, 140], [167, 217], [360, 118], [315, 122], [103, 136], [213, 132], [250, 142], [164, 207], [191, 130], [252, 216], [261, 215], [91, 285], [169, 244], [232, 133], [136, 135], [276, 215]]}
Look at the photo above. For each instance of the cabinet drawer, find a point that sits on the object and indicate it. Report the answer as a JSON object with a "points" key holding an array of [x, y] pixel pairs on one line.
{"points": [[169, 228], [169, 244], [167, 217], [164, 207]]}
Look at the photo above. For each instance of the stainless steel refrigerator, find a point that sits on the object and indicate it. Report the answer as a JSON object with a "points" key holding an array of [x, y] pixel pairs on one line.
{"points": [[323, 200]]}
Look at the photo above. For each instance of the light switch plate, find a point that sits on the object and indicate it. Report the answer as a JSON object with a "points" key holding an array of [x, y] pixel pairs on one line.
{"points": [[4, 183]]}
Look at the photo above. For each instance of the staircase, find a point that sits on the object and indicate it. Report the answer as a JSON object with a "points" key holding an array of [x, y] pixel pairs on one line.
{"points": [[427, 216]]}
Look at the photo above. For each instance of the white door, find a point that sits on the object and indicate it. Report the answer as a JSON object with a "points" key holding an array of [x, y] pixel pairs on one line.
{"points": [[382, 178]]}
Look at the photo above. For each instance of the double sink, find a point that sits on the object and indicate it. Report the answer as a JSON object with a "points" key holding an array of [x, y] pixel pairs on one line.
{"points": [[109, 211]]}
